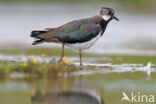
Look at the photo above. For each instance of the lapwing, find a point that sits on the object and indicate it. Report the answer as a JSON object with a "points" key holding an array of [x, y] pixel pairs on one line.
{"points": [[78, 34]]}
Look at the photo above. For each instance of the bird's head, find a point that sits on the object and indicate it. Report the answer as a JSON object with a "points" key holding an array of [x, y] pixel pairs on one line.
{"points": [[107, 14]]}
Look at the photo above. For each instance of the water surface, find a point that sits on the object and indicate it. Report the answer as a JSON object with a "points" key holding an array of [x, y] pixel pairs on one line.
{"points": [[97, 88]]}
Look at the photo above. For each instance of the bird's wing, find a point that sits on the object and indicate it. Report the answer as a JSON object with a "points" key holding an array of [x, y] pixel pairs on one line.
{"points": [[80, 33], [61, 31]]}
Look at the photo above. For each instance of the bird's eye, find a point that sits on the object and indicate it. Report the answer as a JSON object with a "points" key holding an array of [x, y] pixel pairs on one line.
{"points": [[109, 12]]}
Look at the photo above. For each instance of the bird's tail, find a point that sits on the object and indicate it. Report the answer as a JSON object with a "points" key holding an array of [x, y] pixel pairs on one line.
{"points": [[36, 35]]}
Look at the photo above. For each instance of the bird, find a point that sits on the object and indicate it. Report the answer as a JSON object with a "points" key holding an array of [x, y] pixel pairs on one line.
{"points": [[78, 34]]}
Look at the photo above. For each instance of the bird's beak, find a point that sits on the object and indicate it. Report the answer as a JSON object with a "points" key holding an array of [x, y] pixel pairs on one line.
{"points": [[115, 18]]}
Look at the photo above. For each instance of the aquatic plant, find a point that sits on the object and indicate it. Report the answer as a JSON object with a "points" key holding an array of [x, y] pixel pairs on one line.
{"points": [[33, 68]]}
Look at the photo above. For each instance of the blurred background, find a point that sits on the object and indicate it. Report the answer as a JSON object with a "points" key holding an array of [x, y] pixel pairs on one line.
{"points": [[133, 34], [108, 75]]}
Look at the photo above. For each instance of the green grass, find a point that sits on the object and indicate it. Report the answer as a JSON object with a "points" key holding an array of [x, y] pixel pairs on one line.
{"points": [[135, 59], [47, 51]]}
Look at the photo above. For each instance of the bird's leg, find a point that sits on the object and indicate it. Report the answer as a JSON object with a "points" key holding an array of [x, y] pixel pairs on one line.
{"points": [[62, 55], [80, 57]]}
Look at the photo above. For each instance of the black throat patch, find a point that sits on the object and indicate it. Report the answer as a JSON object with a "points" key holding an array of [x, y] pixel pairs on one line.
{"points": [[103, 25]]}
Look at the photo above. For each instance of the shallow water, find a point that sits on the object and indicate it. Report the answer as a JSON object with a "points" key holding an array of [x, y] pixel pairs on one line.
{"points": [[103, 80], [98, 83], [95, 88], [103, 64]]}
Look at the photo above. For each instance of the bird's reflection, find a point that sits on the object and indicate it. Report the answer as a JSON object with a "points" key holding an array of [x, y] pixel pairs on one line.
{"points": [[68, 95]]}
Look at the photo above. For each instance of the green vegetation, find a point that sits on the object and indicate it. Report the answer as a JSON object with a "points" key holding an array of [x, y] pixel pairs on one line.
{"points": [[142, 3], [47, 51], [135, 59], [33, 68], [143, 6], [73, 1]]}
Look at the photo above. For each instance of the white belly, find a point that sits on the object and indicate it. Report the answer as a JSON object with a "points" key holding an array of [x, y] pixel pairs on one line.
{"points": [[84, 45]]}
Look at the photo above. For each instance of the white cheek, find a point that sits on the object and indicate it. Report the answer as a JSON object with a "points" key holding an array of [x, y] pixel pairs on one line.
{"points": [[106, 17]]}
